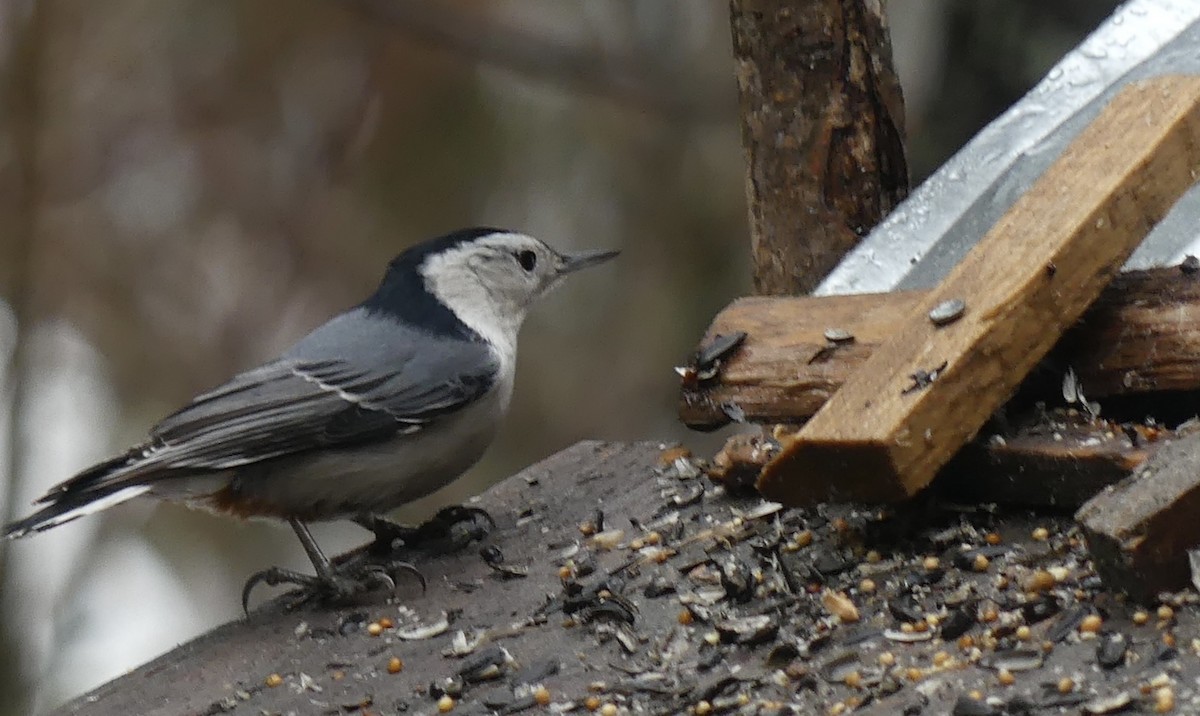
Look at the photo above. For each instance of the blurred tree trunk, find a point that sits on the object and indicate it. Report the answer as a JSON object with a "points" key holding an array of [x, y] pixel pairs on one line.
{"points": [[822, 120], [19, 74]]}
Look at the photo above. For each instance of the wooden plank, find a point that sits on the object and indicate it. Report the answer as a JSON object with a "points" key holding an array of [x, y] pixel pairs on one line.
{"points": [[1139, 530], [1059, 460], [223, 671], [1143, 333], [330, 663], [1058, 466], [885, 433]]}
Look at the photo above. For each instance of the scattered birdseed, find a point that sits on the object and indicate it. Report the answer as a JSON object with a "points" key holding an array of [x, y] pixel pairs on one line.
{"points": [[591, 703], [374, 628], [445, 704], [1006, 678], [608, 710], [1164, 700], [541, 696], [1039, 581], [1041, 534], [1141, 618], [1066, 685], [1165, 613], [839, 605], [394, 665], [1091, 624], [607, 540], [273, 680]]}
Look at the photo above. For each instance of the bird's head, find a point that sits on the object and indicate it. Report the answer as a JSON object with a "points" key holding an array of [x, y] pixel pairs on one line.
{"points": [[486, 278]]}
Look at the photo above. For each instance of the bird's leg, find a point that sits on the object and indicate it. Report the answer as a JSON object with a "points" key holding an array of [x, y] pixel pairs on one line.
{"points": [[319, 561], [330, 583]]}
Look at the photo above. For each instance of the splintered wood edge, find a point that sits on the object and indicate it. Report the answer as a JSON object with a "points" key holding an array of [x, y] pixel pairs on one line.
{"points": [[1030, 277]]}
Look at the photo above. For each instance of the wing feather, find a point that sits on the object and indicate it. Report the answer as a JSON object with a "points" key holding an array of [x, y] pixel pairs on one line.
{"points": [[293, 405]]}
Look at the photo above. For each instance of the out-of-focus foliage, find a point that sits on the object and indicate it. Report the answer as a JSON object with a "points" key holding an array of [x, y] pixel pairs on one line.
{"points": [[186, 186]]}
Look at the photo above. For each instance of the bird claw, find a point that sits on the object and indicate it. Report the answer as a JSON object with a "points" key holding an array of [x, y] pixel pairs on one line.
{"points": [[452, 528], [339, 588], [395, 568], [462, 524]]}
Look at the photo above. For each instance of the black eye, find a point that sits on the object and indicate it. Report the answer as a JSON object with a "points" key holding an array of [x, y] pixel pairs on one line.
{"points": [[527, 259]]}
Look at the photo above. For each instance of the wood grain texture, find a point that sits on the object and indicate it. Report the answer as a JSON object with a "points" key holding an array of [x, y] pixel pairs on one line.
{"points": [[223, 671], [1024, 284], [1140, 529], [1059, 468], [822, 119], [1141, 334]]}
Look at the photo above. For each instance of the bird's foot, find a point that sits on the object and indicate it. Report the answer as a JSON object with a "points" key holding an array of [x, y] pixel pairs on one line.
{"points": [[338, 587], [452, 528]]}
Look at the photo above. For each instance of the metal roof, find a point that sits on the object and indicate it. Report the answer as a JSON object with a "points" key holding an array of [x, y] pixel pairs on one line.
{"points": [[919, 242]]}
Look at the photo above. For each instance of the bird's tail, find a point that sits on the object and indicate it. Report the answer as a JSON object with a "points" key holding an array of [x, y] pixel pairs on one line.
{"points": [[83, 494], [64, 510]]}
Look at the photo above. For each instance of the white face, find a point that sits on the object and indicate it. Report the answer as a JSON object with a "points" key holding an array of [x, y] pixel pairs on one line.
{"points": [[514, 268], [491, 282]]}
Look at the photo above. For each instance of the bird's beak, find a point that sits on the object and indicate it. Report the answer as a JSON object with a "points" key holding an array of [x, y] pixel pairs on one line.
{"points": [[584, 259]]}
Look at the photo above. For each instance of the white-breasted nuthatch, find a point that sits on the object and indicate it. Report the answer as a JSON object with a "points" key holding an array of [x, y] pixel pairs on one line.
{"points": [[380, 406]]}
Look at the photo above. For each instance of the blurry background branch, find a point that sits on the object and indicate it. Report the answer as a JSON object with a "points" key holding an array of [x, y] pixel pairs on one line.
{"points": [[637, 79], [19, 75]]}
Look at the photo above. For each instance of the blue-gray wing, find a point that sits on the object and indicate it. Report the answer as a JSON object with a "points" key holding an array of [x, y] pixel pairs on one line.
{"points": [[289, 407], [345, 384]]}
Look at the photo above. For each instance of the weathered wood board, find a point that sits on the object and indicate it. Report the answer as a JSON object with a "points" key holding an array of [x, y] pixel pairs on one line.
{"points": [[901, 417], [1140, 529], [683, 647], [1141, 334]]}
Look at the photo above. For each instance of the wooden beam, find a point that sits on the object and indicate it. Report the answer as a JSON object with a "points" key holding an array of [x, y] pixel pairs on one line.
{"points": [[1057, 466], [822, 119], [1139, 530], [1143, 333], [1057, 460], [917, 400]]}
